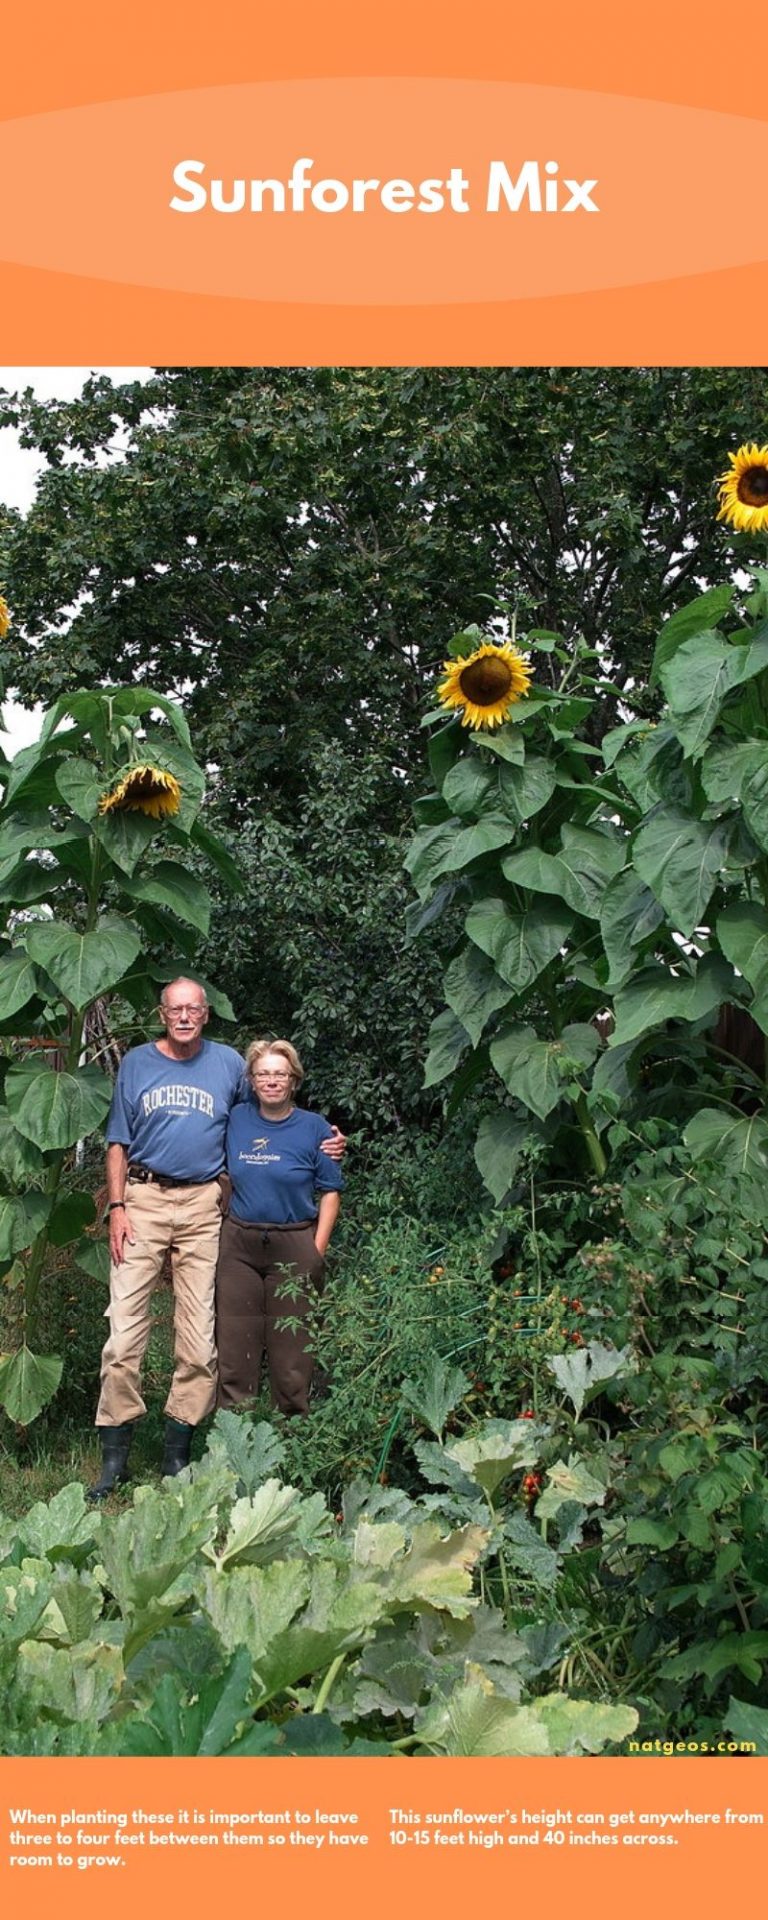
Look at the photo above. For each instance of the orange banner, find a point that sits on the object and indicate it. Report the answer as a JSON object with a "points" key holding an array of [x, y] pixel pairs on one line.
{"points": [[345, 1835], [505, 190]]}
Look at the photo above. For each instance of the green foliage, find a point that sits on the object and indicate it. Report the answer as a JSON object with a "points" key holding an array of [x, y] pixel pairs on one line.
{"points": [[65, 868], [661, 866], [192, 1625]]}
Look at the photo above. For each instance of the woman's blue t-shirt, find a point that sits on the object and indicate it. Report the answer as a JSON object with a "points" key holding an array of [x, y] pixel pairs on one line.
{"points": [[276, 1166]]}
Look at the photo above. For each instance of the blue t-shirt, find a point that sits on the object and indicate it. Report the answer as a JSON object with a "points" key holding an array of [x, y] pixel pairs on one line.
{"points": [[172, 1115], [276, 1166]]}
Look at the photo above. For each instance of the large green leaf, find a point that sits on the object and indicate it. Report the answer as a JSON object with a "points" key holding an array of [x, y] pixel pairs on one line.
{"points": [[125, 836], [534, 1070], [169, 884], [652, 769], [33, 775], [570, 1483], [425, 857], [32, 829], [81, 786], [57, 1109], [656, 996], [146, 1550], [477, 1722], [495, 1450], [30, 882], [468, 784], [84, 706], [76, 1603], [18, 982], [293, 1616], [747, 1722], [696, 681], [206, 1723], [754, 800], [699, 616], [525, 790], [578, 873], [501, 1138], [680, 858], [448, 1040], [444, 747], [584, 1726], [583, 1375], [434, 1569], [260, 1525], [504, 745], [474, 990], [71, 1214], [727, 764], [22, 1218], [27, 1382], [493, 831], [20, 1159], [743, 935], [60, 1528], [79, 1684], [521, 945], [251, 1449], [629, 915], [737, 1142], [84, 965], [436, 1394]]}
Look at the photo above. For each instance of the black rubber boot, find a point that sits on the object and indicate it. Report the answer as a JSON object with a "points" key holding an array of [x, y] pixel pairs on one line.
{"points": [[115, 1447], [178, 1440]]}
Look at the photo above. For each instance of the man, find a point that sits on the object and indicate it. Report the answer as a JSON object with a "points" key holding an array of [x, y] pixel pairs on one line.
{"points": [[165, 1152]]}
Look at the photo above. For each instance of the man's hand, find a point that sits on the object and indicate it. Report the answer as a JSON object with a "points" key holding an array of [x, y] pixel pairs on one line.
{"points": [[336, 1144], [119, 1232]]}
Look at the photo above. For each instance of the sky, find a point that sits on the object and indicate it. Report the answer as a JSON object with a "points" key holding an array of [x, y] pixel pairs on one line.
{"points": [[19, 471]]}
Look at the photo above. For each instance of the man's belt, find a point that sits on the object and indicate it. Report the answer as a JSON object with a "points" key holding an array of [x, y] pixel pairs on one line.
{"points": [[145, 1176]]}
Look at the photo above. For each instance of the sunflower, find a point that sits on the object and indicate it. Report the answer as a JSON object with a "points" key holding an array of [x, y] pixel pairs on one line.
{"points": [[5, 618], [487, 684], [744, 490], [143, 789]]}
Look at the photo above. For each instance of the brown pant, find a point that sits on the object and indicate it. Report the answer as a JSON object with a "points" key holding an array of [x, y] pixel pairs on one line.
{"points": [[186, 1221], [261, 1281]]}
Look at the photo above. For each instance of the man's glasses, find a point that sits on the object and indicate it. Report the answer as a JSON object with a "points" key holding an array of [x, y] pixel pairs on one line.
{"points": [[176, 1013]]}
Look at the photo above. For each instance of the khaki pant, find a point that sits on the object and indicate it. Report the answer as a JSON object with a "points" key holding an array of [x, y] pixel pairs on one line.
{"points": [[186, 1221], [266, 1275]]}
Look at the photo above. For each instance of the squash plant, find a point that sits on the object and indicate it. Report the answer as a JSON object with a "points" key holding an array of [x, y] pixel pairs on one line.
{"points": [[97, 823]]}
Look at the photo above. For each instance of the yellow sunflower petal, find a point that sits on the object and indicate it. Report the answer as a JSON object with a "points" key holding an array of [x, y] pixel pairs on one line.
{"points": [[743, 489], [486, 685], [143, 789]]}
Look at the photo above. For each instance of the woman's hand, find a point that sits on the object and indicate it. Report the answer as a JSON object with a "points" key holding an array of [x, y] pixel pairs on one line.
{"points": [[336, 1144]]}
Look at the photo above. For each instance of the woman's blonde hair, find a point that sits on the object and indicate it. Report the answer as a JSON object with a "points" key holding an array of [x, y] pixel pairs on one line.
{"points": [[258, 1048]]}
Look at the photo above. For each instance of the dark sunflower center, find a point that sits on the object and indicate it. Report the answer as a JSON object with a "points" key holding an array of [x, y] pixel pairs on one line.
{"points": [[145, 782], [485, 681], [752, 488]]}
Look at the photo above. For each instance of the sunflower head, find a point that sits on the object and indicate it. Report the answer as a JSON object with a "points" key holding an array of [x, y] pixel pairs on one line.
{"points": [[744, 489], [5, 618], [143, 789], [486, 684]]}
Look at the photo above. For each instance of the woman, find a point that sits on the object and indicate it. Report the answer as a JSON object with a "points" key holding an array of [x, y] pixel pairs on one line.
{"points": [[274, 1239]]}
